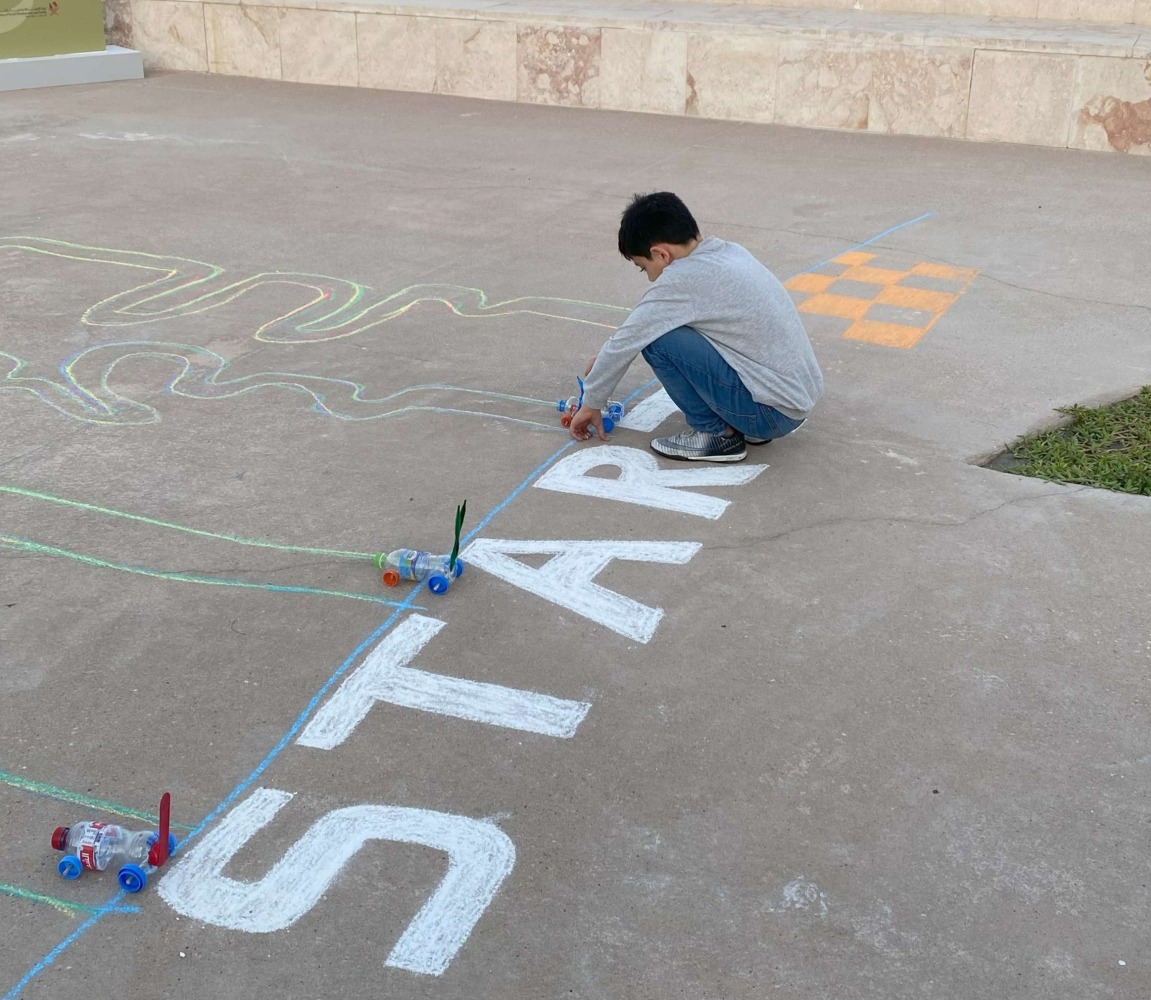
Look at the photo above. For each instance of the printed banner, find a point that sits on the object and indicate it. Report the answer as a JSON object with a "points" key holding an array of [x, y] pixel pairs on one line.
{"points": [[50, 27]]}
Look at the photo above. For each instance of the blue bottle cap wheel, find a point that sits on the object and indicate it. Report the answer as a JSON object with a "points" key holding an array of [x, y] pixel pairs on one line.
{"points": [[70, 866], [132, 878]]}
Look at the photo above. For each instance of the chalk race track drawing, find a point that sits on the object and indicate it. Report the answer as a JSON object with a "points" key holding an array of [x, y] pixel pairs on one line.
{"points": [[333, 308]]}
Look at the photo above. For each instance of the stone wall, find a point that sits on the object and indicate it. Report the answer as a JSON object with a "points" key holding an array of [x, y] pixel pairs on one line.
{"points": [[118, 22], [1095, 11], [1046, 84]]}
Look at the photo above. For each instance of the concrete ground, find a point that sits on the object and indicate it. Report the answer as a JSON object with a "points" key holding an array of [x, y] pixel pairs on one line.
{"points": [[888, 738]]}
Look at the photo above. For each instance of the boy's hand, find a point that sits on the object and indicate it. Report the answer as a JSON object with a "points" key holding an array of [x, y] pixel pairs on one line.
{"points": [[586, 418]]}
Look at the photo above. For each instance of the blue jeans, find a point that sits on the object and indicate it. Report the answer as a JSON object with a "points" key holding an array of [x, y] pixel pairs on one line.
{"points": [[708, 390]]}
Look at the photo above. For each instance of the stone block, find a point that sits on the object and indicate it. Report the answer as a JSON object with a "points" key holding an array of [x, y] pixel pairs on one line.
{"points": [[476, 59], [319, 46], [993, 8], [118, 22], [243, 40], [910, 91], [558, 65], [396, 52], [1121, 11], [1021, 97], [170, 34], [1112, 105], [732, 76], [643, 70]]}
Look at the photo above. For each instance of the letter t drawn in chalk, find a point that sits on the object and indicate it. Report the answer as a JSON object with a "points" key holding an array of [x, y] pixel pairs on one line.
{"points": [[383, 675]]}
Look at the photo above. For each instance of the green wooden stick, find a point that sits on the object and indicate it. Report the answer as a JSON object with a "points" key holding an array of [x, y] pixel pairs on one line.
{"points": [[461, 510]]}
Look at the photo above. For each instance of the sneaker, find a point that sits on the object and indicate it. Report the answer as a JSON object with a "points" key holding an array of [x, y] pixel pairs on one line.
{"points": [[698, 446]]}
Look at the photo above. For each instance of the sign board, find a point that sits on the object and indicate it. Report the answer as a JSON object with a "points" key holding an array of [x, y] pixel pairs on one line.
{"points": [[50, 27]]}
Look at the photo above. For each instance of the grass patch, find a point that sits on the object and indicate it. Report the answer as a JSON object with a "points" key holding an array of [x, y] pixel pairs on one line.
{"points": [[1104, 446]]}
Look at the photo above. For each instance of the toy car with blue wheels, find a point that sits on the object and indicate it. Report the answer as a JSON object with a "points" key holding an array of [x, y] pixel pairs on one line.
{"points": [[612, 414]]}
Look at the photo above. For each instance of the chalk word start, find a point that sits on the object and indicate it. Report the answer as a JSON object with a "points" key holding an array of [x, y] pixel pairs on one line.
{"points": [[480, 855]]}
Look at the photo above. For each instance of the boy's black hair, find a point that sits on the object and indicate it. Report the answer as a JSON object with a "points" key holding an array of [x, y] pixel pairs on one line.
{"points": [[659, 217]]}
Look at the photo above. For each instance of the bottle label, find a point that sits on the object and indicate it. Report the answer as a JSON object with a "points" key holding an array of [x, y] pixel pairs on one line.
{"points": [[89, 844], [407, 564]]}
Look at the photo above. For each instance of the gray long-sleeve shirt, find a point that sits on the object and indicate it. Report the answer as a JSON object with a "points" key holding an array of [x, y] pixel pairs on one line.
{"points": [[722, 291]]}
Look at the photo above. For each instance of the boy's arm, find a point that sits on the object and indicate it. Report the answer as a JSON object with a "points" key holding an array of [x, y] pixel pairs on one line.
{"points": [[666, 305]]}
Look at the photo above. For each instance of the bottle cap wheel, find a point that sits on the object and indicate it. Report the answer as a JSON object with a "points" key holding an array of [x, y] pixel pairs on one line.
{"points": [[60, 837], [70, 866], [391, 578], [132, 878]]}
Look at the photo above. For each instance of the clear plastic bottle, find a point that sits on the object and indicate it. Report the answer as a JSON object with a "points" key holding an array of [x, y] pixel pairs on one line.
{"points": [[92, 846], [417, 565], [569, 405], [612, 413]]}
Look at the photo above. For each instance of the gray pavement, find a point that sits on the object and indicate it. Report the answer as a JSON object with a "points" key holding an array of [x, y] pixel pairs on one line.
{"points": [[888, 738]]}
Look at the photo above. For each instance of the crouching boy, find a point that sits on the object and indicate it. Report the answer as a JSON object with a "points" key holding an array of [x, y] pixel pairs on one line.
{"points": [[719, 331]]}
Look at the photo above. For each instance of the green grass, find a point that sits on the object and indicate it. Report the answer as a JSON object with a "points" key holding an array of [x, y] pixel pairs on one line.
{"points": [[1104, 446]]}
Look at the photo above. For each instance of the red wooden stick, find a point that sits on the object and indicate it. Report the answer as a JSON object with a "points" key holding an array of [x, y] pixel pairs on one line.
{"points": [[159, 852]]}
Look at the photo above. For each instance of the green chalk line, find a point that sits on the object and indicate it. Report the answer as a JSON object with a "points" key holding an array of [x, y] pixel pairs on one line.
{"points": [[77, 798], [50, 550], [64, 905], [34, 495]]}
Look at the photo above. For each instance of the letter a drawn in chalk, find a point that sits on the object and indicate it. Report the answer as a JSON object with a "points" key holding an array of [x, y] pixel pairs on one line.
{"points": [[568, 579]]}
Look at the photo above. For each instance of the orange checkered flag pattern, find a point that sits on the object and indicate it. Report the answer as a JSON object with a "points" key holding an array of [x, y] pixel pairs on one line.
{"points": [[890, 305]]}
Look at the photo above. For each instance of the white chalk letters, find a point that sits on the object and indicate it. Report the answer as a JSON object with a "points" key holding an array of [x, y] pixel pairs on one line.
{"points": [[641, 480], [383, 676], [650, 413], [480, 856], [568, 579]]}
